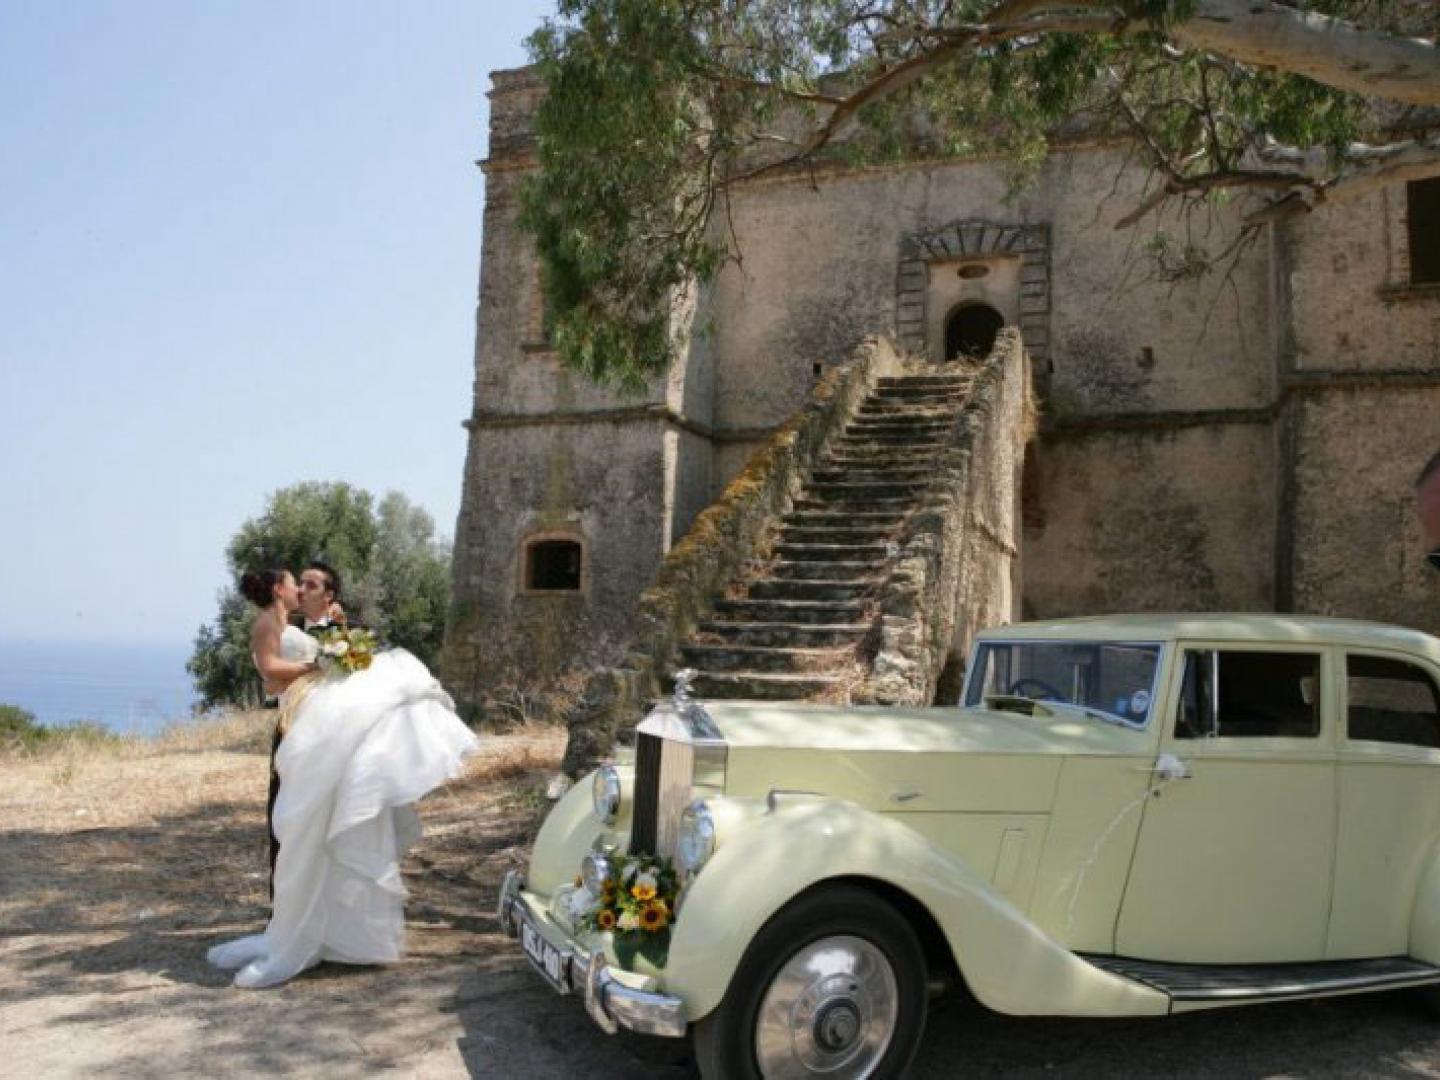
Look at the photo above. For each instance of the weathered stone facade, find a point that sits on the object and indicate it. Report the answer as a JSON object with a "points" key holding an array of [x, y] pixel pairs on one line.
{"points": [[1241, 440]]}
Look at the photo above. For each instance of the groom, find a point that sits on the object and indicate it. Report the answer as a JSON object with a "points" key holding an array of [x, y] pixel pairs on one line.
{"points": [[320, 596], [319, 608]]}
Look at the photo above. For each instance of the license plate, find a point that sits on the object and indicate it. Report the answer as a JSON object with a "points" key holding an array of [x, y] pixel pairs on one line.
{"points": [[546, 958]]}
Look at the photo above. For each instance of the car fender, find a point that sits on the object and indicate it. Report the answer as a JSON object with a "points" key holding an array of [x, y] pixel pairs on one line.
{"points": [[569, 833], [796, 843], [1425, 914]]}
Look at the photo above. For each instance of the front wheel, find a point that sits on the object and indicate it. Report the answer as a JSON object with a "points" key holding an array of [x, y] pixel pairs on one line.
{"points": [[832, 986]]}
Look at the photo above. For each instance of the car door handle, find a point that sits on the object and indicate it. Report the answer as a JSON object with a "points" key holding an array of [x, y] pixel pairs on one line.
{"points": [[1168, 767]]}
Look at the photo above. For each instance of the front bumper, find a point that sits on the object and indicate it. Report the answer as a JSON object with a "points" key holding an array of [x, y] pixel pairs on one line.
{"points": [[571, 968]]}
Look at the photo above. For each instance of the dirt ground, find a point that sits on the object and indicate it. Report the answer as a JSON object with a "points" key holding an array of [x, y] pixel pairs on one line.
{"points": [[118, 868]]}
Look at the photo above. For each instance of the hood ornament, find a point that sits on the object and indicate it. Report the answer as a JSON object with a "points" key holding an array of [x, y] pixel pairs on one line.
{"points": [[681, 698], [696, 719]]}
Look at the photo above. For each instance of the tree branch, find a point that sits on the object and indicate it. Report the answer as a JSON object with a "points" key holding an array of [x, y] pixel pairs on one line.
{"points": [[1206, 182], [1414, 159], [1328, 50]]}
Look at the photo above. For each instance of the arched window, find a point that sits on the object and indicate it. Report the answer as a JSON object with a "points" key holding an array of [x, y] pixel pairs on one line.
{"points": [[970, 331], [554, 565]]}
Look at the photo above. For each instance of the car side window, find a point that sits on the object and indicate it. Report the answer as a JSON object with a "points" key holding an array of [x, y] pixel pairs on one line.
{"points": [[1249, 695], [1391, 701]]}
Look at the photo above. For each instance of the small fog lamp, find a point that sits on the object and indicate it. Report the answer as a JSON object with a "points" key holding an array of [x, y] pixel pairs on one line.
{"points": [[696, 840], [594, 870], [606, 792]]}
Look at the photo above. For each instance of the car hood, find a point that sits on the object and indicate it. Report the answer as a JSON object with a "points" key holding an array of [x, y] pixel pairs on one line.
{"points": [[910, 760], [784, 725]]}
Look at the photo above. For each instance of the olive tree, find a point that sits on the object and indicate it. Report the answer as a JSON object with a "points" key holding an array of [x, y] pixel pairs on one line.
{"points": [[395, 577]]}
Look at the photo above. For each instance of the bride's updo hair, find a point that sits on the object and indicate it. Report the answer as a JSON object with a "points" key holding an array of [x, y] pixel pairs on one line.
{"points": [[259, 588]]}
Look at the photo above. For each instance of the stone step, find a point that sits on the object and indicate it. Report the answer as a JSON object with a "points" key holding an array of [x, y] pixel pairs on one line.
{"points": [[790, 611], [903, 382], [809, 589], [919, 402], [763, 686], [707, 658], [884, 410], [935, 390], [824, 570], [881, 458], [836, 534], [920, 443], [868, 474], [867, 428], [872, 552], [863, 492], [821, 517], [926, 419], [827, 517], [897, 506], [787, 634], [916, 401]]}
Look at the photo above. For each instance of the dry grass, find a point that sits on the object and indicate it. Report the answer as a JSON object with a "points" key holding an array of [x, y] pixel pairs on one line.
{"points": [[153, 845]]}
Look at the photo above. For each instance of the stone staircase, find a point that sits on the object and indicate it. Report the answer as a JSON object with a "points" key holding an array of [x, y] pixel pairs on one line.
{"points": [[798, 629]]}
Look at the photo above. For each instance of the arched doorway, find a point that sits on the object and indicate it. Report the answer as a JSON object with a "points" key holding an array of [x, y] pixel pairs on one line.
{"points": [[970, 331]]}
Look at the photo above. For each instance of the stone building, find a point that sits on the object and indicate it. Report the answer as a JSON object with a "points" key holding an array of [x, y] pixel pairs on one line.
{"points": [[1243, 440]]}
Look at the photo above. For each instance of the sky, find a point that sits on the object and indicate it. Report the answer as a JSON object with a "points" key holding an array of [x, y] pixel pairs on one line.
{"points": [[239, 246]]}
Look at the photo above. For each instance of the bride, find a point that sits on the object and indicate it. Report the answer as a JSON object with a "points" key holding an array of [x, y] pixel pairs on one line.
{"points": [[357, 751]]}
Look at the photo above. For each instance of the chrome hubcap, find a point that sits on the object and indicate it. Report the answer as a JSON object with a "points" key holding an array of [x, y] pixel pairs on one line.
{"points": [[831, 1011]]}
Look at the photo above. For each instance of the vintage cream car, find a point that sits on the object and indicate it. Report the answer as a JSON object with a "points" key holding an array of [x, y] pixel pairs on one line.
{"points": [[1126, 816]]}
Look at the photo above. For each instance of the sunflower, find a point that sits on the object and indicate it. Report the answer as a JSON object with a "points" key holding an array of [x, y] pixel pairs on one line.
{"points": [[605, 920], [654, 916], [643, 891]]}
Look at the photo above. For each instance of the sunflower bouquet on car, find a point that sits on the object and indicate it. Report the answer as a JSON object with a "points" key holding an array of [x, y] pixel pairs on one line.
{"points": [[636, 905]]}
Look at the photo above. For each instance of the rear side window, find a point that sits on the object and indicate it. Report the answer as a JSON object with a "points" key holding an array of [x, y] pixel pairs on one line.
{"points": [[1391, 701], [1249, 695]]}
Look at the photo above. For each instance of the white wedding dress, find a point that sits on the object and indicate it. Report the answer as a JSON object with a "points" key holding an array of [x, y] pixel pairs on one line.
{"points": [[361, 748]]}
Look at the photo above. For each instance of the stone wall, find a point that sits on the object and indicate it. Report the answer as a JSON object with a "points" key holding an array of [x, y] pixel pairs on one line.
{"points": [[1169, 517], [1358, 372], [954, 569]]}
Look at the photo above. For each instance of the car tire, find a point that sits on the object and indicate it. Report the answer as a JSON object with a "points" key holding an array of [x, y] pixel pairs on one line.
{"points": [[868, 1015]]}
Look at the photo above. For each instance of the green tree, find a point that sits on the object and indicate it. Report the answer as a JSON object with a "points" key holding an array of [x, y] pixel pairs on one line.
{"points": [[19, 729], [395, 578], [656, 109]]}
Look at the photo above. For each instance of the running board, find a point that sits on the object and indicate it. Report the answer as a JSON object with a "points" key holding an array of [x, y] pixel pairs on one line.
{"points": [[1241, 984]]}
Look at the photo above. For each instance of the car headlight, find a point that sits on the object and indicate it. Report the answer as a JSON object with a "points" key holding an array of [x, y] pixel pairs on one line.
{"points": [[594, 870], [696, 840], [606, 793]]}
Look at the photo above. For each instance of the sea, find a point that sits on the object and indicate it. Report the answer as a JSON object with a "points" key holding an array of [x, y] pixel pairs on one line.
{"points": [[130, 688]]}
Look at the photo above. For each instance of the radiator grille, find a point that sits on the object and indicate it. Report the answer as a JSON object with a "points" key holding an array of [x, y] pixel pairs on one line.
{"points": [[677, 772], [647, 794], [664, 775]]}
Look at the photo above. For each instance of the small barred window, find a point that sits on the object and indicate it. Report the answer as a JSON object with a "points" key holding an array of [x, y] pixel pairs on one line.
{"points": [[554, 566], [1422, 203]]}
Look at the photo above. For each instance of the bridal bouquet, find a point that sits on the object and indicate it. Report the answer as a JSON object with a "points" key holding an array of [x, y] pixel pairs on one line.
{"points": [[636, 904], [347, 649]]}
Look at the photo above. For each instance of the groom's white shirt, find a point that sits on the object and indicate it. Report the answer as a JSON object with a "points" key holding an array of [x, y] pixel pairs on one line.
{"points": [[311, 624]]}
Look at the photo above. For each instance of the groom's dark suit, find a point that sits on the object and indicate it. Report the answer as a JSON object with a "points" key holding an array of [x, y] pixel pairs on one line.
{"points": [[307, 626]]}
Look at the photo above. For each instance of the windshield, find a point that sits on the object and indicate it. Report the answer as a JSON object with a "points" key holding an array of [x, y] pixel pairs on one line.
{"points": [[1116, 679]]}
